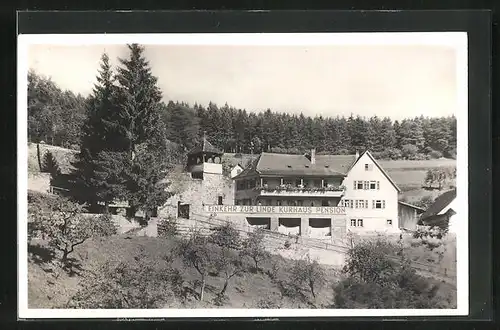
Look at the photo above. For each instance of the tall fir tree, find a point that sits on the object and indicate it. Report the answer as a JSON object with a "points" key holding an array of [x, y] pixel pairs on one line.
{"points": [[139, 121], [99, 134]]}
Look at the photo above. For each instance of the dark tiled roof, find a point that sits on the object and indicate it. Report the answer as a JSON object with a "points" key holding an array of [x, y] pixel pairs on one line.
{"points": [[205, 147], [440, 203], [298, 165]]}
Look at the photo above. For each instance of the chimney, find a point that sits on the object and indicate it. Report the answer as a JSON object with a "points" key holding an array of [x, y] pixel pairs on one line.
{"points": [[313, 156], [357, 155]]}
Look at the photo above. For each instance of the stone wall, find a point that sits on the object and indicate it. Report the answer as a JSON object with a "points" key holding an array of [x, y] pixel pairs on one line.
{"points": [[196, 192]]}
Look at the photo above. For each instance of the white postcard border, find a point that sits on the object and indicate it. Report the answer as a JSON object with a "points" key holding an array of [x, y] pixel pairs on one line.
{"points": [[457, 40]]}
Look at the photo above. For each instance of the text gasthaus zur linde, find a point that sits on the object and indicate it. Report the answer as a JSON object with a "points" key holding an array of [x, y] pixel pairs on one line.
{"points": [[327, 210]]}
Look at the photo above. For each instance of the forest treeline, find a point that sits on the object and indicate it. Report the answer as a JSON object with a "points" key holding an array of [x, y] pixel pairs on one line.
{"points": [[55, 116]]}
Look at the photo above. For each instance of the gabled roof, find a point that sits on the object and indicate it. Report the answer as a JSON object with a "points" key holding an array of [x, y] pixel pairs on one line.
{"points": [[274, 164], [205, 147], [379, 167], [440, 203]]}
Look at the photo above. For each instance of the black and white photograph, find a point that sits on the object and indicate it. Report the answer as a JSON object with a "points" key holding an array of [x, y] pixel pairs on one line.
{"points": [[226, 174]]}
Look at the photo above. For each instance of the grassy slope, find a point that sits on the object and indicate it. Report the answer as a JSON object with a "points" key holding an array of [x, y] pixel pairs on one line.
{"points": [[45, 291], [50, 287]]}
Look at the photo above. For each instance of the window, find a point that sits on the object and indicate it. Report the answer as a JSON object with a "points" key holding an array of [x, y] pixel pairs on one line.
{"points": [[324, 203], [361, 204], [278, 202], [298, 182], [359, 223], [291, 203], [378, 204], [300, 203], [264, 182], [373, 185], [368, 167], [238, 171], [237, 202], [359, 185], [366, 185], [389, 222], [219, 200], [348, 203], [268, 202]]}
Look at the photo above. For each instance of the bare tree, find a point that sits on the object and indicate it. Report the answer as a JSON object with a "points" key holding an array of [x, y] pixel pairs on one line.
{"points": [[196, 252], [253, 247]]}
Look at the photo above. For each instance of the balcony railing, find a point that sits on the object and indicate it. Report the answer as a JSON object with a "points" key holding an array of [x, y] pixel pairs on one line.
{"points": [[288, 189]]}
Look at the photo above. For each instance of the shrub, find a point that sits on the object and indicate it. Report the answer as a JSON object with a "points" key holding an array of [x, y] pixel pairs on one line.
{"points": [[129, 284], [253, 247], [374, 280], [226, 236], [391, 153], [435, 154], [409, 151]]}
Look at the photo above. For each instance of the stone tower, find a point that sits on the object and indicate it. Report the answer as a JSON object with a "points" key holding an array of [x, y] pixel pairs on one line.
{"points": [[205, 164]]}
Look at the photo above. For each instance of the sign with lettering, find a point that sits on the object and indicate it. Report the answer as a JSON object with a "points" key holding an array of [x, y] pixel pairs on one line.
{"points": [[274, 210]]}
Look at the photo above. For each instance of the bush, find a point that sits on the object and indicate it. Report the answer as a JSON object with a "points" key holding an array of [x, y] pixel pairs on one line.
{"points": [[226, 236], [434, 154], [131, 284], [391, 153], [374, 280], [409, 151]]}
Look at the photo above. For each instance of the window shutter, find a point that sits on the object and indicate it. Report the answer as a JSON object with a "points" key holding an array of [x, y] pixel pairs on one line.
{"points": [[378, 185], [383, 204], [373, 204], [355, 185], [366, 204]]}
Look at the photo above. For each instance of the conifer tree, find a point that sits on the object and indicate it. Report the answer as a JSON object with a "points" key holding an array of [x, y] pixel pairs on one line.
{"points": [[139, 121], [99, 134]]}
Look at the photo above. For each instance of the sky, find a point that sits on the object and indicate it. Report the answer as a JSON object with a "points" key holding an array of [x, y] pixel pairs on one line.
{"points": [[398, 81]]}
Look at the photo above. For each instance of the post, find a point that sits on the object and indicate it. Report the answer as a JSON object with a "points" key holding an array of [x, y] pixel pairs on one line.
{"points": [[274, 223], [261, 182], [322, 183], [304, 224], [301, 182], [281, 181]]}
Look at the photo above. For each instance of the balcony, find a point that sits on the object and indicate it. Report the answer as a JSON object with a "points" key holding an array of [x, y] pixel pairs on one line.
{"points": [[291, 190]]}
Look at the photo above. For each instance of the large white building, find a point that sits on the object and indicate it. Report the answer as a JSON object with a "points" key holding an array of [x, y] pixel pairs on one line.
{"points": [[364, 196]]}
